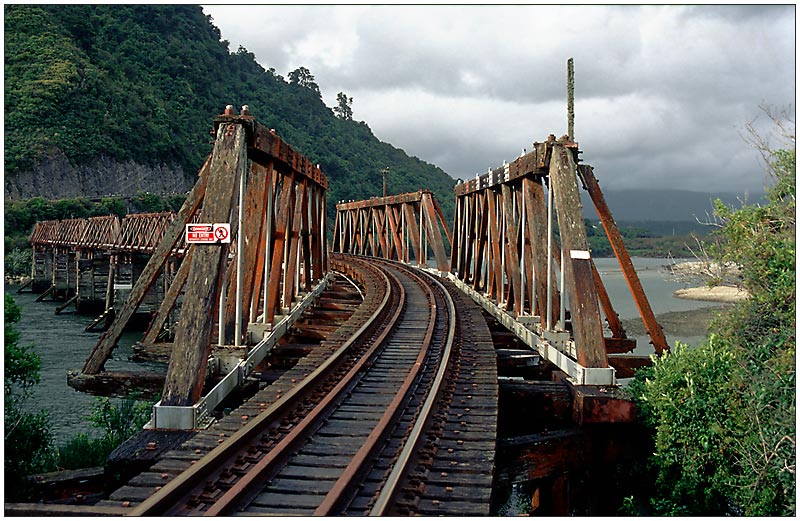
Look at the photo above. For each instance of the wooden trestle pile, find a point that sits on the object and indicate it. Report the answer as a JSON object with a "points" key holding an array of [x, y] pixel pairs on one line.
{"points": [[94, 262]]}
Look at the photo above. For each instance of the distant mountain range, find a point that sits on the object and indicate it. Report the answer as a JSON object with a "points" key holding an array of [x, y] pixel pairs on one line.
{"points": [[664, 205]]}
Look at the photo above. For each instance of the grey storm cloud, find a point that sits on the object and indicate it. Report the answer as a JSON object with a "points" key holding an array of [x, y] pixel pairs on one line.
{"points": [[663, 93]]}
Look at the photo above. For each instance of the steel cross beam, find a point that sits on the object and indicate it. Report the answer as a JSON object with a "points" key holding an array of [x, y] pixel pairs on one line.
{"points": [[520, 250], [389, 227]]}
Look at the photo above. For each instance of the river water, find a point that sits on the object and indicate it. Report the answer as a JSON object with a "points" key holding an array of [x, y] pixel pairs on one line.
{"points": [[63, 345]]}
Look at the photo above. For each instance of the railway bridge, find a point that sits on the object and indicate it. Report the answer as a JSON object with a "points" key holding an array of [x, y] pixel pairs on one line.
{"points": [[374, 373]]}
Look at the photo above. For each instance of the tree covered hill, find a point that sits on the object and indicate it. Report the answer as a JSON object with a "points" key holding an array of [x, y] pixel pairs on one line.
{"points": [[105, 97]]}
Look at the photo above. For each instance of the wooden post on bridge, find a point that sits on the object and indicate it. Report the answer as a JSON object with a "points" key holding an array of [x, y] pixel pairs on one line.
{"points": [[282, 224], [512, 252], [587, 326], [255, 215], [187, 366], [434, 232], [536, 223]]}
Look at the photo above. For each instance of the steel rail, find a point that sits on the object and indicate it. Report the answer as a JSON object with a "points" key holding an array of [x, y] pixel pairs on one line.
{"points": [[245, 485], [184, 483], [356, 466], [401, 466]]}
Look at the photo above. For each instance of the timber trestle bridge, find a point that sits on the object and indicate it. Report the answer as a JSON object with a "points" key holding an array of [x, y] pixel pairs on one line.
{"points": [[402, 367]]}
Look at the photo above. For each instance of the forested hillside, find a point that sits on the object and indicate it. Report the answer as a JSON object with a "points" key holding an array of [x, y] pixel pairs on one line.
{"points": [[103, 97]]}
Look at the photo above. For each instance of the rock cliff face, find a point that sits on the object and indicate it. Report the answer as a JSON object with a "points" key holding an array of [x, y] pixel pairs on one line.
{"points": [[56, 178]]}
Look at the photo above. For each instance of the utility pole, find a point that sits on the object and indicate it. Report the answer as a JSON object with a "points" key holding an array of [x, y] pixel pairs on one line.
{"points": [[384, 173]]}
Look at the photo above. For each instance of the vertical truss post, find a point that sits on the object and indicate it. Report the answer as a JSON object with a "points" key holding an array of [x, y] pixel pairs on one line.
{"points": [[413, 230], [276, 264], [581, 289], [512, 255], [495, 286], [240, 257], [268, 237], [481, 226], [404, 233], [436, 239], [524, 253], [187, 367], [550, 281], [291, 264], [455, 241]]}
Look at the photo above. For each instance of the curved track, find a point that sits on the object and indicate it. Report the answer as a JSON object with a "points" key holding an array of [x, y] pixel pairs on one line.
{"points": [[353, 436]]}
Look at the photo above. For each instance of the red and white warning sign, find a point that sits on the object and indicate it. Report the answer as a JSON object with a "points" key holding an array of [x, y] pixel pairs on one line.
{"points": [[201, 233]]}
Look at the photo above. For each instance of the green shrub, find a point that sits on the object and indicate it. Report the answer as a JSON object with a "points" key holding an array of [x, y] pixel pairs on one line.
{"points": [[17, 262], [28, 441], [83, 451], [118, 422], [683, 399], [723, 414]]}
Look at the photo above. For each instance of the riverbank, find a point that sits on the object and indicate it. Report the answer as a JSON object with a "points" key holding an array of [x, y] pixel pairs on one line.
{"points": [[727, 276], [724, 294], [680, 323], [703, 270]]}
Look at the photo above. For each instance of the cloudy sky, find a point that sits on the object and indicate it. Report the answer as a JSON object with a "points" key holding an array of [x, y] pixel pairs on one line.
{"points": [[663, 93]]}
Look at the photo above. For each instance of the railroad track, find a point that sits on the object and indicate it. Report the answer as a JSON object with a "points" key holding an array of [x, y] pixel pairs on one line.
{"points": [[369, 431]]}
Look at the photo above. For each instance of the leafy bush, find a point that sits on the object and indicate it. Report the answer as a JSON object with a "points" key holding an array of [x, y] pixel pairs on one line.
{"points": [[723, 415], [17, 262], [28, 440], [83, 451], [683, 399], [118, 421]]}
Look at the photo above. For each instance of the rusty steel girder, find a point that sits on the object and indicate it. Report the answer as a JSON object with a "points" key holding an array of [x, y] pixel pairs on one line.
{"points": [[507, 253], [276, 253], [392, 227]]}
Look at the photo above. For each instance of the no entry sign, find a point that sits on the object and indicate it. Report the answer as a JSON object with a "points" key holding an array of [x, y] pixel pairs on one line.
{"points": [[202, 233]]}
